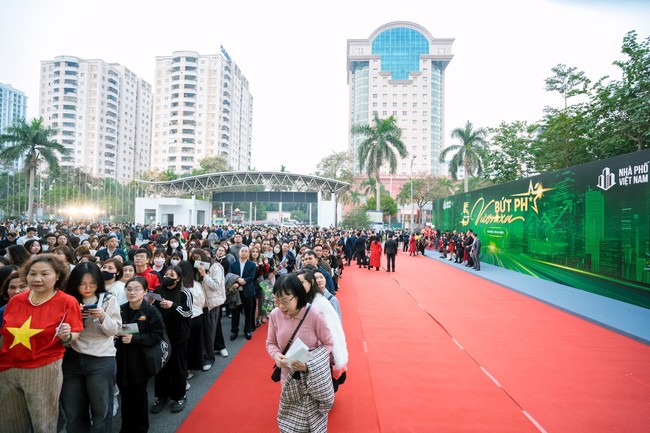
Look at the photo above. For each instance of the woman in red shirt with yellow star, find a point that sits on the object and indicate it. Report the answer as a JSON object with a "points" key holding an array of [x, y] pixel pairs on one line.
{"points": [[36, 327]]}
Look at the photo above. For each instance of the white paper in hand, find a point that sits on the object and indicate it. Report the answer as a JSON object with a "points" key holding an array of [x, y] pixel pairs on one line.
{"points": [[298, 352]]}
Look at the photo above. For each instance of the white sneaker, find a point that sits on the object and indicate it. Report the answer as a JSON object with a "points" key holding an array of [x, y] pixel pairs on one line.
{"points": [[223, 353], [187, 385], [206, 367], [189, 375]]}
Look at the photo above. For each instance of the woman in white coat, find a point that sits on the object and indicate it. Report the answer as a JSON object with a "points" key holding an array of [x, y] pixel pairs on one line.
{"points": [[212, 281], [339, 360]]}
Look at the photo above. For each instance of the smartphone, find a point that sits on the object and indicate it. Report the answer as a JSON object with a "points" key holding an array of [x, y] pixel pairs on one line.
{"points": [[89, 306]]}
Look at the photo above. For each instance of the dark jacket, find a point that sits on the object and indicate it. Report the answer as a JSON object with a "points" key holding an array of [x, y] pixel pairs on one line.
{"points": [[390, 247], [250, 269], [131, 366]]}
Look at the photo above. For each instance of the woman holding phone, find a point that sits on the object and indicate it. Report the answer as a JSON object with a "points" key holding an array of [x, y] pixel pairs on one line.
{"points": [[89, 362]]}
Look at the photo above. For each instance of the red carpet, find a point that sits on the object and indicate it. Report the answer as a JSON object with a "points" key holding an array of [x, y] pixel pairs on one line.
{"points": [[450, 352]]}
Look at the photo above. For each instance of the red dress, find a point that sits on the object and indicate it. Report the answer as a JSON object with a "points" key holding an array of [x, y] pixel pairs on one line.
{"points": [[375, 254], [413, 247]]}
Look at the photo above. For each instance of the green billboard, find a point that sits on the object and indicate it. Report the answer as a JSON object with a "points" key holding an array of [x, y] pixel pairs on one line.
{"points": [[587, 226]]}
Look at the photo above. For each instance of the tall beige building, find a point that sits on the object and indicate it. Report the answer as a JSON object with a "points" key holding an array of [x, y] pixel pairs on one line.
{"points": [[202, 108], [102, 113], [400, 71]]}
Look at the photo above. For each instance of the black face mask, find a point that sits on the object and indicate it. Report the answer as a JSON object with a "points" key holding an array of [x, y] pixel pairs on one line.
{"points": [[108, 275], [169, 282]]}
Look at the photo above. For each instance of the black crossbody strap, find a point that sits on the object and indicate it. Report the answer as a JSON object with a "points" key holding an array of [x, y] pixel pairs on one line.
{"points": [[296, 331]]}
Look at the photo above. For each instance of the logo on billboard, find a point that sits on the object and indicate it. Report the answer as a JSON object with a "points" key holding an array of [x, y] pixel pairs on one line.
{"points": [[505, 210], [606, 180]]}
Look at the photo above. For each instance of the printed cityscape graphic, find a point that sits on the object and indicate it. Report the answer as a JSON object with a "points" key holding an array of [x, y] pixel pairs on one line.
{"points": [[587, 226]]}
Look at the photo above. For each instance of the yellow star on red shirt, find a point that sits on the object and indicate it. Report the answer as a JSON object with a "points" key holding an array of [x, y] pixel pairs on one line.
{"points": [[23, 334]]}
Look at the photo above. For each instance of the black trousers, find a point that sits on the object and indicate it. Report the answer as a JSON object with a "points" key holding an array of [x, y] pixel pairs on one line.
{"points": [[361, 256], [135, 410], [170, 382], [390, 258], [219, 342], [405, 246], [195, 345], [248, 305]]}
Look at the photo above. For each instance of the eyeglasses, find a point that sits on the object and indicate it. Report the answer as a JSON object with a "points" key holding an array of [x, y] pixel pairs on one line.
{"points": [[134, 289], [284, 302]]}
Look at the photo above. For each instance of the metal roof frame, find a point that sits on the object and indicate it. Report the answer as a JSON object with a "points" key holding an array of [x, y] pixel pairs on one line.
{"points": [[270, 180]]}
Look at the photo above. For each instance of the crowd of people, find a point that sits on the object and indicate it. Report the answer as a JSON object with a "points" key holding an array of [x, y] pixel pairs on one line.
{"points": [[81, 305]]}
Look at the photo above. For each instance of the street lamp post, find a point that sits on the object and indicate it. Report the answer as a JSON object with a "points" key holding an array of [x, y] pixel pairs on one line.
{"points": [[411, 223]]}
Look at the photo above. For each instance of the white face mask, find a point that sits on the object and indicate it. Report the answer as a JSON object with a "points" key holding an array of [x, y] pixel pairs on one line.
{"points": [[175, 262], [276, 250], [173, 244], [158, 262]]}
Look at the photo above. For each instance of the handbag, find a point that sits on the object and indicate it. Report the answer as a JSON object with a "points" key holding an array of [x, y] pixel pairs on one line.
{"points": [[277, 373], [157, 355]]}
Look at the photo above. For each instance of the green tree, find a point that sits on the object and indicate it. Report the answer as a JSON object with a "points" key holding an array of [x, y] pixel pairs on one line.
{"points": [[211, 164], [32, 142], [513, 148], [567, 81], [337, 165], [382, 144], [621, 108], [388, 205], [563, 139], [469, 154], [421, 192], [356, 219]]}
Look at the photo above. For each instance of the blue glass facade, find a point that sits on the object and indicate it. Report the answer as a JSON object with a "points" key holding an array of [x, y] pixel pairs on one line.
{"points": [[359, 103], [436, 117], [13, 106], [400, 49]]}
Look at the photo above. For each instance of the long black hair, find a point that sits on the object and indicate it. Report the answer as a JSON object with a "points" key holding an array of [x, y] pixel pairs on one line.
{"points": [[174, 294], [308, 275], [18, 255], [78, 273]]}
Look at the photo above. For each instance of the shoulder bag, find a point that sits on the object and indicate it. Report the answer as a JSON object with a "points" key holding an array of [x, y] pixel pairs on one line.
{"points": [[157, 355], [277, 373]]}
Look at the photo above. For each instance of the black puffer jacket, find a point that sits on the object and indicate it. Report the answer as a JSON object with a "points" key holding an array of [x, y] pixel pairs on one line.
{"points": [[131, 365]]}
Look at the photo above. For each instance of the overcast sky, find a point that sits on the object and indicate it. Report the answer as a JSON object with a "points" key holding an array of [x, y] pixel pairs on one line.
{"points": [[294, 54]]}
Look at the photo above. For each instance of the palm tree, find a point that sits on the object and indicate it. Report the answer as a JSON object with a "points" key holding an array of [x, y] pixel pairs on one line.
{"points": [[470, 153], [381, 142], [32, 142]]}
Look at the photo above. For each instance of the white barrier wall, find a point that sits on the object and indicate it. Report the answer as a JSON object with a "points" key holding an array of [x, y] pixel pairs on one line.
{"points": [[172, 211]]}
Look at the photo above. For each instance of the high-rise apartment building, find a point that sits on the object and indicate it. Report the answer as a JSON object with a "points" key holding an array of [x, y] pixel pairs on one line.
{"points": [[400, 71], [102, 114], [202, 108], [13, 106]]}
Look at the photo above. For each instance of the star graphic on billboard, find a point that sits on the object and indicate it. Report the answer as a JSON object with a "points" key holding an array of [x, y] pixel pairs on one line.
{"points": [[534, 193]]}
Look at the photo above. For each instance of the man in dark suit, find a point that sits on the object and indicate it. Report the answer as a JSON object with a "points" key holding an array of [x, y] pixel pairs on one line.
{"points": [[246, 271], [360, 249], [111, 249], [390, 248], [476, 251], [349, 247]]}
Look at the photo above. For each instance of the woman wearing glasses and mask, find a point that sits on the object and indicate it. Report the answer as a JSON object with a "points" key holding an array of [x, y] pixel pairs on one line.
{"points": [[310, 380]]}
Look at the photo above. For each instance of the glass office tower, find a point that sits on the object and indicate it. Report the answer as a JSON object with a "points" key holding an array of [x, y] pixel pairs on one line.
{"points": [[399, 71]]}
